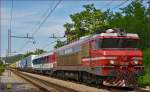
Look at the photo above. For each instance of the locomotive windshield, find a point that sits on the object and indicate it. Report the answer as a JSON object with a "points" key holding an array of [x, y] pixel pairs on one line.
{"points": [[118, 43]]}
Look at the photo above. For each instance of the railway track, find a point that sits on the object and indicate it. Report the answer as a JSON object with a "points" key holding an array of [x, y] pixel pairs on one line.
{"points": [[42, 84], [55, 85], [47, 85]]}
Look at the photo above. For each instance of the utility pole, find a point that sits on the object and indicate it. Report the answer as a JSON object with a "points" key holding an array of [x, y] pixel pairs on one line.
{"points": [[55, 37], [0, 40], [0, 35], [10, 38], [149, 21], [9, 42], [27, 36]]}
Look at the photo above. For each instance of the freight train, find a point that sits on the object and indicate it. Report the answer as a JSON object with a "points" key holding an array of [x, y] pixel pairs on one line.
{"points": [[109, 58]]}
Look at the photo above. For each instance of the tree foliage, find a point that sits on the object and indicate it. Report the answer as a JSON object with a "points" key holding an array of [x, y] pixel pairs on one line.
{"points": [[59, 44], [85, 22], [36, 52], [133, 18], [18, 57]]}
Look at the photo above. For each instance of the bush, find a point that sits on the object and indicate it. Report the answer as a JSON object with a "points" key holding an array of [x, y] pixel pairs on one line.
{"points": [[146, 59], [145, 80], [2, 69]]}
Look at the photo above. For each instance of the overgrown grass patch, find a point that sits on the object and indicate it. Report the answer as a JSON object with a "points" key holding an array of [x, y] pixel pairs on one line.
{"points": [[2, 69], [145, 80]]}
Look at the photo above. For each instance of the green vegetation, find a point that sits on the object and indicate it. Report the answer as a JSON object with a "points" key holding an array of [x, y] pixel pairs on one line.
{"points": [[2, 67], [145, 80], [18, 57], [59, 44], [133, 18], [36, 52]]}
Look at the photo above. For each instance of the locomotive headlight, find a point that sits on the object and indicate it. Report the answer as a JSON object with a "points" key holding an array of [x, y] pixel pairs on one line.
{"points": [[136, 62], [112, 62]]}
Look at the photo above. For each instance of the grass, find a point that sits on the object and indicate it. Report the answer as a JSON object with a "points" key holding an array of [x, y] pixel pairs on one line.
{"points": [[145, 80], [2, 68]]}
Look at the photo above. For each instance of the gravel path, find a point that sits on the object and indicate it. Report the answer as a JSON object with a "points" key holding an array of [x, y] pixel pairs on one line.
{"points": [[10, 82]]}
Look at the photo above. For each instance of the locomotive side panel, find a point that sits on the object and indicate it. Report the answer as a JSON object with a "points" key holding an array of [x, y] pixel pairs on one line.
{"points": [[69, 56], [73, 55], [70, 59]]}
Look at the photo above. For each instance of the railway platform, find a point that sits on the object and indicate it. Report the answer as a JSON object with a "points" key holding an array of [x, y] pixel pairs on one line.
{"points": [[9, 82]]}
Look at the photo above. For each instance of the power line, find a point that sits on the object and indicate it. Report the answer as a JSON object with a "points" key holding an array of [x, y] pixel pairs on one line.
{"points": [[56, 37], [44, 20], [120, 4], [9, 30], [24, 45], [44, 14], [46, 46], [109, 3], [0, 34], [49, 14]]}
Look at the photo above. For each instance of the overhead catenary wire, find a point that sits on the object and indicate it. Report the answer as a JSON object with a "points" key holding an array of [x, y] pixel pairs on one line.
{"points": [[47, 45], [54, 37], [109, 3], [43, 21], [43, 15], [24, 45], [122, 3]]}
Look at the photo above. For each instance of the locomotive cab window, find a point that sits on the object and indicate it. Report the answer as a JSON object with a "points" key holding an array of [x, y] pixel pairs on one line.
{"points": [[97, 44], [120, 43], [115, 43]]}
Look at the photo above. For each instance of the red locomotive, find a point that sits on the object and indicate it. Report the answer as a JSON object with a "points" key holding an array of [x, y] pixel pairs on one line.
{"points": [[111, 58]]}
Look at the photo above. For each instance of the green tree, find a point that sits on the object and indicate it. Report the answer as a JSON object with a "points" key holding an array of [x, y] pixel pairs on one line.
{"points": [[2, 67], [39, 51], [132, 18], [36, 52], [85, 22], [69, 32], [59, 44]]}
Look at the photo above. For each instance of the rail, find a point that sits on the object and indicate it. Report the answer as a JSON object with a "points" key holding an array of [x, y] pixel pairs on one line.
{"points": [[49, 84]]}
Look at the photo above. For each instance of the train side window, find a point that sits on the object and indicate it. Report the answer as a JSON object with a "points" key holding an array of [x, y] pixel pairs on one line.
{"points": [[96, 44], [93, 45], [76, 49]]}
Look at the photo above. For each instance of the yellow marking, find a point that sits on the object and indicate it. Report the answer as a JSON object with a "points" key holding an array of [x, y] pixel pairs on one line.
{"points": [[9, 86]]}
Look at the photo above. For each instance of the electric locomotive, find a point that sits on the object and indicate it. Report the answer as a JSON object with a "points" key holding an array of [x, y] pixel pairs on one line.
{"points": [[110, 58]]}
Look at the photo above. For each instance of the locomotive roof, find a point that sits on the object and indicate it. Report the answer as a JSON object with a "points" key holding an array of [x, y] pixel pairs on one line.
{"points": [[103, 35], [117, 35]]}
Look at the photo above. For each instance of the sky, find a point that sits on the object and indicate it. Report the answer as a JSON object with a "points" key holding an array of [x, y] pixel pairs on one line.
{"points": [[26, 15]]}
